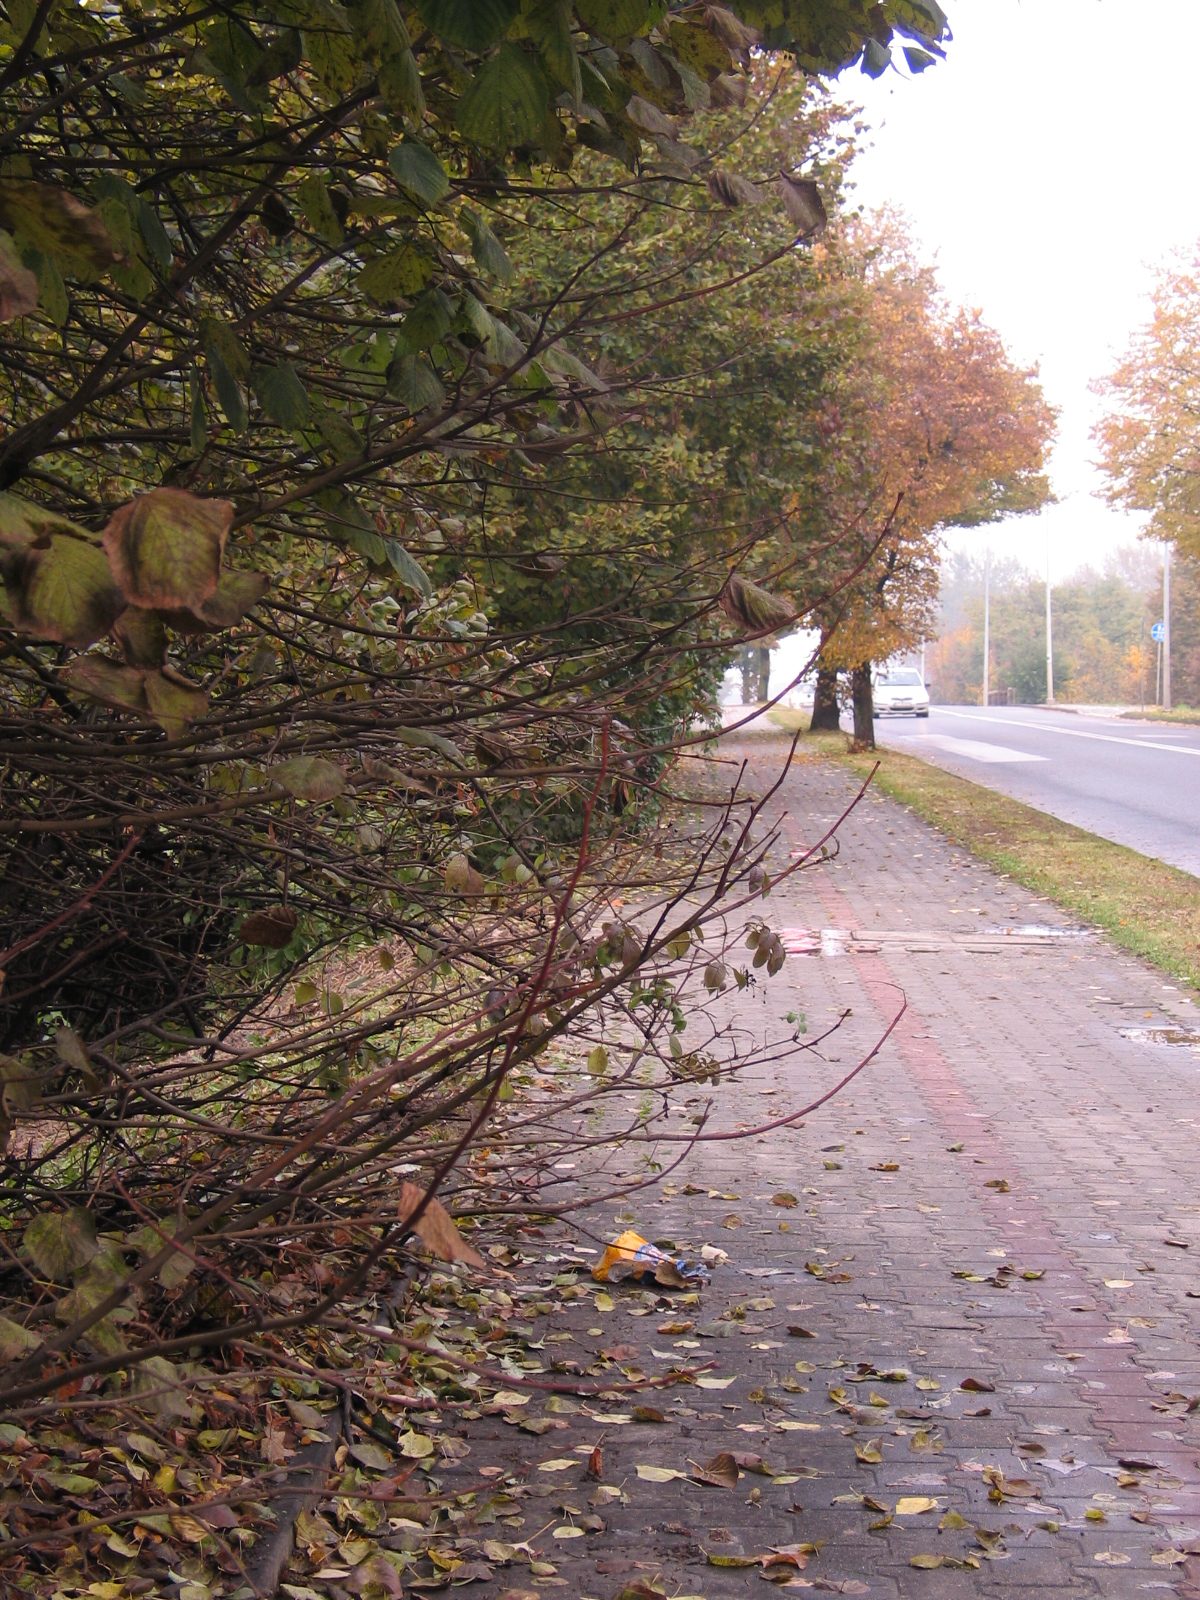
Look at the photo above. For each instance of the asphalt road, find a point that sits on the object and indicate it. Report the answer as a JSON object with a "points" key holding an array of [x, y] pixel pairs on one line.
{"points": [[1137, 783]]}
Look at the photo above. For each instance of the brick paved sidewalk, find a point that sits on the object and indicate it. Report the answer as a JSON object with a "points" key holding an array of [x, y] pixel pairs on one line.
{"points": [[1005, 1198]]}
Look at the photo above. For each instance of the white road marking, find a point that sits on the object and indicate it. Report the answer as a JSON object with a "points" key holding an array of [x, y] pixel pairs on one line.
{"points": [[976, 750], [1073, 733]]}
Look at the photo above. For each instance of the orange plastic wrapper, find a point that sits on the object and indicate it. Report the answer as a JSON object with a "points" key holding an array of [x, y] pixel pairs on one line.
{"points": [[631, 1256]]}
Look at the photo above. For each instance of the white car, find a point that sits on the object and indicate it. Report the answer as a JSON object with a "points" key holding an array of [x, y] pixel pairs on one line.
{"points": [[901, 693]]}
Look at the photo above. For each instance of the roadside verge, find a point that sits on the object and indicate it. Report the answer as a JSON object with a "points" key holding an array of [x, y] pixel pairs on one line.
{"points": [[1145, 906]]}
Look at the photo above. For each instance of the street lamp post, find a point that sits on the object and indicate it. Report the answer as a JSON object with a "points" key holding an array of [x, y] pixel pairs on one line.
{"points": [[1049, 635], [1166, 639], [987, 608]]}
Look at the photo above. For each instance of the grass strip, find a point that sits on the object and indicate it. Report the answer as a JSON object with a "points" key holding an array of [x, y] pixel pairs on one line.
{"points": [[1143, 905]]}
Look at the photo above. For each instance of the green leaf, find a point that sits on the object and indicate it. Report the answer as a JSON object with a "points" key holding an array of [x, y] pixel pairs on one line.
{"points": [[22, 522], [18, 286], [423, 739], [165, 547], [400, 85], [219, 336], [329, 45], [60, 1243], [549, 23], [412, 381], [52, 291], [54, 221], [63, 591], [428, 322], [281, 394], [344, 515], [109, 683], [876, 58], [369, 545], [234, 596], [310, 778], [396, 276], [619, 21], [485, 247], [282, 55], [918, 60], [197, 416], [173, 704], [338, 433], [313, 196], [507, 101], [20, 1087], [410, 571], [471, 24], [16, 1342], [418, 170], [157, 1387], [158, 241], [229, 396]]}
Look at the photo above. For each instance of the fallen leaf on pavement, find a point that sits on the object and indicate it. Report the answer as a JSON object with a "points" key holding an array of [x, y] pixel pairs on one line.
{"points": [[1001, 1185], [952, 1521], [435, 1227], [713, 1383], [720, 1473], [797, 1332], [649, 1474], [784, 1199], [870, 1453], [913, 1505], [1112, 1558], [978, 1386], [559, 1464], [647, 1414], [926, 1563]]}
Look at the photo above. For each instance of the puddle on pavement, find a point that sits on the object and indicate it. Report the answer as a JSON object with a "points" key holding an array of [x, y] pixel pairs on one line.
{"points": [[834, 942], [1187, 1038]]}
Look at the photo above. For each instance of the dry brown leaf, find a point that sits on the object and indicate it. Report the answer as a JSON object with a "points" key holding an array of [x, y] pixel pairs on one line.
{"points": [[435, 1227]]}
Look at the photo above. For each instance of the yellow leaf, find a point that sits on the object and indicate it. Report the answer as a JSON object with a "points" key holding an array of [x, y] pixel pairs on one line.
{"points": [[415, 1446], [913, 1505]]}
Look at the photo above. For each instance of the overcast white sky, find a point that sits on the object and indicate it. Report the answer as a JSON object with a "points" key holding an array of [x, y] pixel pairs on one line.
{"points": [[1047, 165]]}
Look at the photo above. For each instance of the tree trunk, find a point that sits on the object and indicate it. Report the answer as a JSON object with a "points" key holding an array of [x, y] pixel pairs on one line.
{"points": [[864, 707], [826, 715], [763, 655]]}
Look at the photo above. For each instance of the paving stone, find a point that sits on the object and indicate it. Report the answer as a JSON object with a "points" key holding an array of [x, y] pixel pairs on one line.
{"points": [[1015, 1057]]}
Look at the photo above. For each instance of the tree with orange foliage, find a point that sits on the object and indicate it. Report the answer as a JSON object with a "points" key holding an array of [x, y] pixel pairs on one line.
{"points": [[939, 429], [1150, 439]]}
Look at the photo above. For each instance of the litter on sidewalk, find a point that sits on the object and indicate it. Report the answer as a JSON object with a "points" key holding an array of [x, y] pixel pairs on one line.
{"points": [[631, 1256]]}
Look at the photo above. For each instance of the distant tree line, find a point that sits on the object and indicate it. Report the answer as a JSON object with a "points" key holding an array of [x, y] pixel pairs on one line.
{"points": [[1103, 651]]}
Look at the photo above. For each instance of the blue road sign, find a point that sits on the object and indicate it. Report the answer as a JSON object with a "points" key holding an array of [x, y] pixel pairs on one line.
{"points": [[1158, 633]]}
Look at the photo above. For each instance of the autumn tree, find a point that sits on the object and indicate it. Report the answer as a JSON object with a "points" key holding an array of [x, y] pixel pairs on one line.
{"points": [[1149, 440], [935, 428]]}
